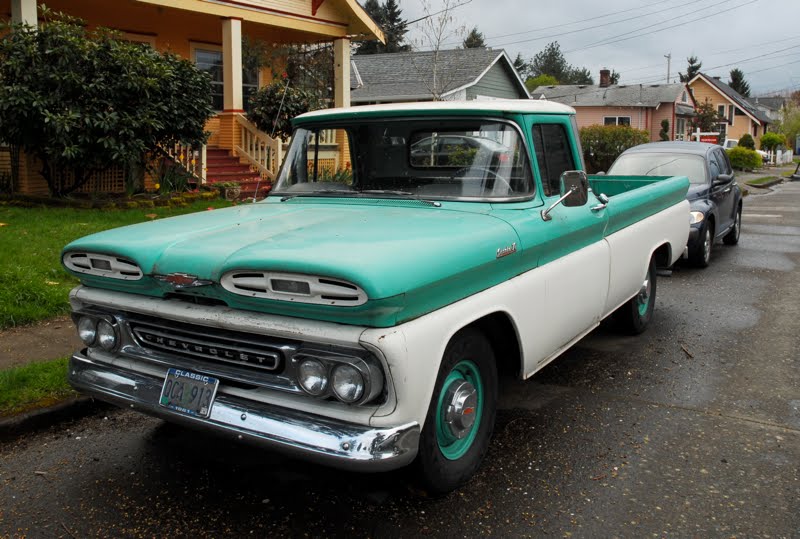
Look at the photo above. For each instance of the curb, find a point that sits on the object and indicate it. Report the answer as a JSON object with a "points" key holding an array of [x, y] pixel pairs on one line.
{"points": [[72, 409], [765, 185]]}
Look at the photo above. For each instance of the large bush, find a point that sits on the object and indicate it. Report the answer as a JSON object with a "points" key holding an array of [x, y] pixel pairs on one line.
{"points": [[743, 158], [273, 107], [83, 101], [770, 141], [746, 141], [603, 143]]}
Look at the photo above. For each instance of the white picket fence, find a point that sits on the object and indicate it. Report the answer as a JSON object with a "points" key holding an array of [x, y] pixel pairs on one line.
{"points": [[778, 157]]}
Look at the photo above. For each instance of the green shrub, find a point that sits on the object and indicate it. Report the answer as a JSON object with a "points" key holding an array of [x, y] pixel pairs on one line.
{"points": [[744, 159], [664, 133], [746, 141], [273, 107], [770, 141], [603, 143]]}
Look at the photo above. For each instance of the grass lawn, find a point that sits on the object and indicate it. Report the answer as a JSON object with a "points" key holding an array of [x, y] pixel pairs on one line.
{"points": [[33, 386], [33, 284]]}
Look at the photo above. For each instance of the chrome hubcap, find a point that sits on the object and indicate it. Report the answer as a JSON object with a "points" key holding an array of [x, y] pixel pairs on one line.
{"points": [[707, 246], [462, 399], [644, 292]]}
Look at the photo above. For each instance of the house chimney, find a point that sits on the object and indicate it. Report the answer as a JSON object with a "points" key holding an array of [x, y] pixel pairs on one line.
{"points": [[605, 78]]}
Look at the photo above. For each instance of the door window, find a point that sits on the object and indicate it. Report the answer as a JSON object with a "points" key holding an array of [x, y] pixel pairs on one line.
{"points": [[553, 155]]}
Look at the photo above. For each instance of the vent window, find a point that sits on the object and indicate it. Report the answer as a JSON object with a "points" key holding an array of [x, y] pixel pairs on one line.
{"points": [[293, 287]]}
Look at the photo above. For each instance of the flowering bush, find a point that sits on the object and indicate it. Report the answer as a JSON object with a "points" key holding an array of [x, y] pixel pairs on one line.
{"points": [[273, 107]]}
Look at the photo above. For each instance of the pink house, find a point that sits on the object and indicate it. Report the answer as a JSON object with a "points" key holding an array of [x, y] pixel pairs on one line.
{"points": [[637, 105]]}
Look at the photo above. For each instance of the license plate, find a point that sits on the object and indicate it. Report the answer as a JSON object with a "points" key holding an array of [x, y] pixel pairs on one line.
{"points": [[189, 392]]}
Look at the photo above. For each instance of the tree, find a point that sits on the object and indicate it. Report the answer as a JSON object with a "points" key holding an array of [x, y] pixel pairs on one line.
{"points": [[789, 126], [738, 83], [522, 66], [746, 141], [389, 17], [664, 133], [474, 39], [84, 101], [614, 77], [551, 61], [438, 27], [692, 69], [542, 80], [273, 106], [770, 141], [706, 119]]}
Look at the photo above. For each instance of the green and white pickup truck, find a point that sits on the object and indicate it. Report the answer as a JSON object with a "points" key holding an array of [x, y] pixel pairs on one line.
{"points": [[359, 315]]}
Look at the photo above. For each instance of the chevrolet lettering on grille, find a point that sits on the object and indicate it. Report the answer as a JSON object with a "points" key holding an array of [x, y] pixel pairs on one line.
{"points": [[212, 351]]}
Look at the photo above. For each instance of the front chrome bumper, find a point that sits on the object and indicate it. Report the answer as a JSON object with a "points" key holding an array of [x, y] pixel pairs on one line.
{"points": [[327, 441]]}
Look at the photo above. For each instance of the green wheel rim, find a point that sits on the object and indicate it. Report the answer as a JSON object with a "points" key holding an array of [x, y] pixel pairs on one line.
{"points": [[451, 447]]}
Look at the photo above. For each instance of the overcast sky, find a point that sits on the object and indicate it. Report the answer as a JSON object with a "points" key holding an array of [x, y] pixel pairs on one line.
{"points": [[723, 34]]}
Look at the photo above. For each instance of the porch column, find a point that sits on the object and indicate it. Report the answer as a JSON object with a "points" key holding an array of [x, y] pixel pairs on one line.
{"points": [[232, 64], [341, 72], [24, 11]]}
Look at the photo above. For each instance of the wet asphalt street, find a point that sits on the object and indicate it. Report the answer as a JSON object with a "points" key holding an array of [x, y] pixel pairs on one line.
{"points": [[690, 430]]}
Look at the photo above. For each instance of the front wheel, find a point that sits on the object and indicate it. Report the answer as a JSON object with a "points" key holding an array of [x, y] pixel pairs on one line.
{"points": [[461, 414], [635, 315], [701, 255], [732, 237]]}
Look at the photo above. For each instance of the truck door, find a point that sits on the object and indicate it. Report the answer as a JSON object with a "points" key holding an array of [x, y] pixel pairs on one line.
{"points": [[572, 255]]}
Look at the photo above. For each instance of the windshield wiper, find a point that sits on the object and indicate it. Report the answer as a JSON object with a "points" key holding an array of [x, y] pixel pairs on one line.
{"points": [[341, 192], [388, 192]]}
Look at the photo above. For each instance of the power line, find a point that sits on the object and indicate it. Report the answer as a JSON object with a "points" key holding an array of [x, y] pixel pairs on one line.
{"points": [[607, 42], [671, 8], [429, 15]]}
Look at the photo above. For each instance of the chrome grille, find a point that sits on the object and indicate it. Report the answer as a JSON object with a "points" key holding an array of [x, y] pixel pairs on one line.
{"points": [[209, 344]]}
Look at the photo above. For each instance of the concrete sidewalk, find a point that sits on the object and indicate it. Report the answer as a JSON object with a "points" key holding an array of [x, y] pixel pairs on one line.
{"points": [[43, 341]]}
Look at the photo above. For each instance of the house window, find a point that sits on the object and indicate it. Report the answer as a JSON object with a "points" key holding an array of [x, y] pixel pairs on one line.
{"points": [[210, 61], [617, 120], [684, 97], [133, 37], [731, 108], [721, 111], [208, 58], [680, 129]]}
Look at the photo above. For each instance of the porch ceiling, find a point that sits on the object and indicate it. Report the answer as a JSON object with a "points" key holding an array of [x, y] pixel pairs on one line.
{"points": [[285, 21]]}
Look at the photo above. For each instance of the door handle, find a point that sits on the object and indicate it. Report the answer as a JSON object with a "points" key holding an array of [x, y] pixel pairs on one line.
{"points": [[599, 207]]}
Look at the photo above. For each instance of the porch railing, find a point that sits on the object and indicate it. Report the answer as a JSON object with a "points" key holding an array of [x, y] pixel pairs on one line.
{"points": [[190, 157], [263, 152]]}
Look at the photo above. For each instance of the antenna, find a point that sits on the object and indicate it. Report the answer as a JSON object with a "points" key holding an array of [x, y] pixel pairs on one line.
{"points": [[669, 61], [274, 126]]}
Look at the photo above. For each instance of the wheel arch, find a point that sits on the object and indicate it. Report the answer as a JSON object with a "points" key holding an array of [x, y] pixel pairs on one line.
{"points": [[503, 335], [662, 255]]}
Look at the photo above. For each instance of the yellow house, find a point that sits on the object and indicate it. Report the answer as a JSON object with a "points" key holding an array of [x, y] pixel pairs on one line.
{"points": [[209, 33], [737, 114]]}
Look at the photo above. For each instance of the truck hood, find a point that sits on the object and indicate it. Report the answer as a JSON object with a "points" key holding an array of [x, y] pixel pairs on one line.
{"points": [[387, 247]]}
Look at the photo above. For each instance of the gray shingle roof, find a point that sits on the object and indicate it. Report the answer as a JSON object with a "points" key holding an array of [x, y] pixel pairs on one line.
{"points": [[736, 97], [584, 95], [409, 75], [774, 103]]}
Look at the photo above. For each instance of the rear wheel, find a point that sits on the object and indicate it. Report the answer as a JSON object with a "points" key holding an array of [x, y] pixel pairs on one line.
{"points": [[635, 315], [461, 414], [732, 237]]}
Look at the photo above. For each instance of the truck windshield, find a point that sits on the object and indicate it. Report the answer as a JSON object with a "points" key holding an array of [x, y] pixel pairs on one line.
{"points": [[429, 159], [660, 164]]}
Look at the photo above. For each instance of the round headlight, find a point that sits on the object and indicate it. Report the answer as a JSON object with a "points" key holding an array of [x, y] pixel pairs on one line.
{"points": [[696, 217], [87, 330], [106, 336], [348, 384], [313, 377]]}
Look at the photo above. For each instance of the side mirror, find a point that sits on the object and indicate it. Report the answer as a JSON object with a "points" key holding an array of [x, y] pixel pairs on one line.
{"points": [[574, 191], [575, 185], [722, 179]]}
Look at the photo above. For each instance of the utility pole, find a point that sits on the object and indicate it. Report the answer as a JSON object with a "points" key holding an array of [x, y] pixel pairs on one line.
{"points": [[669, 61]]}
